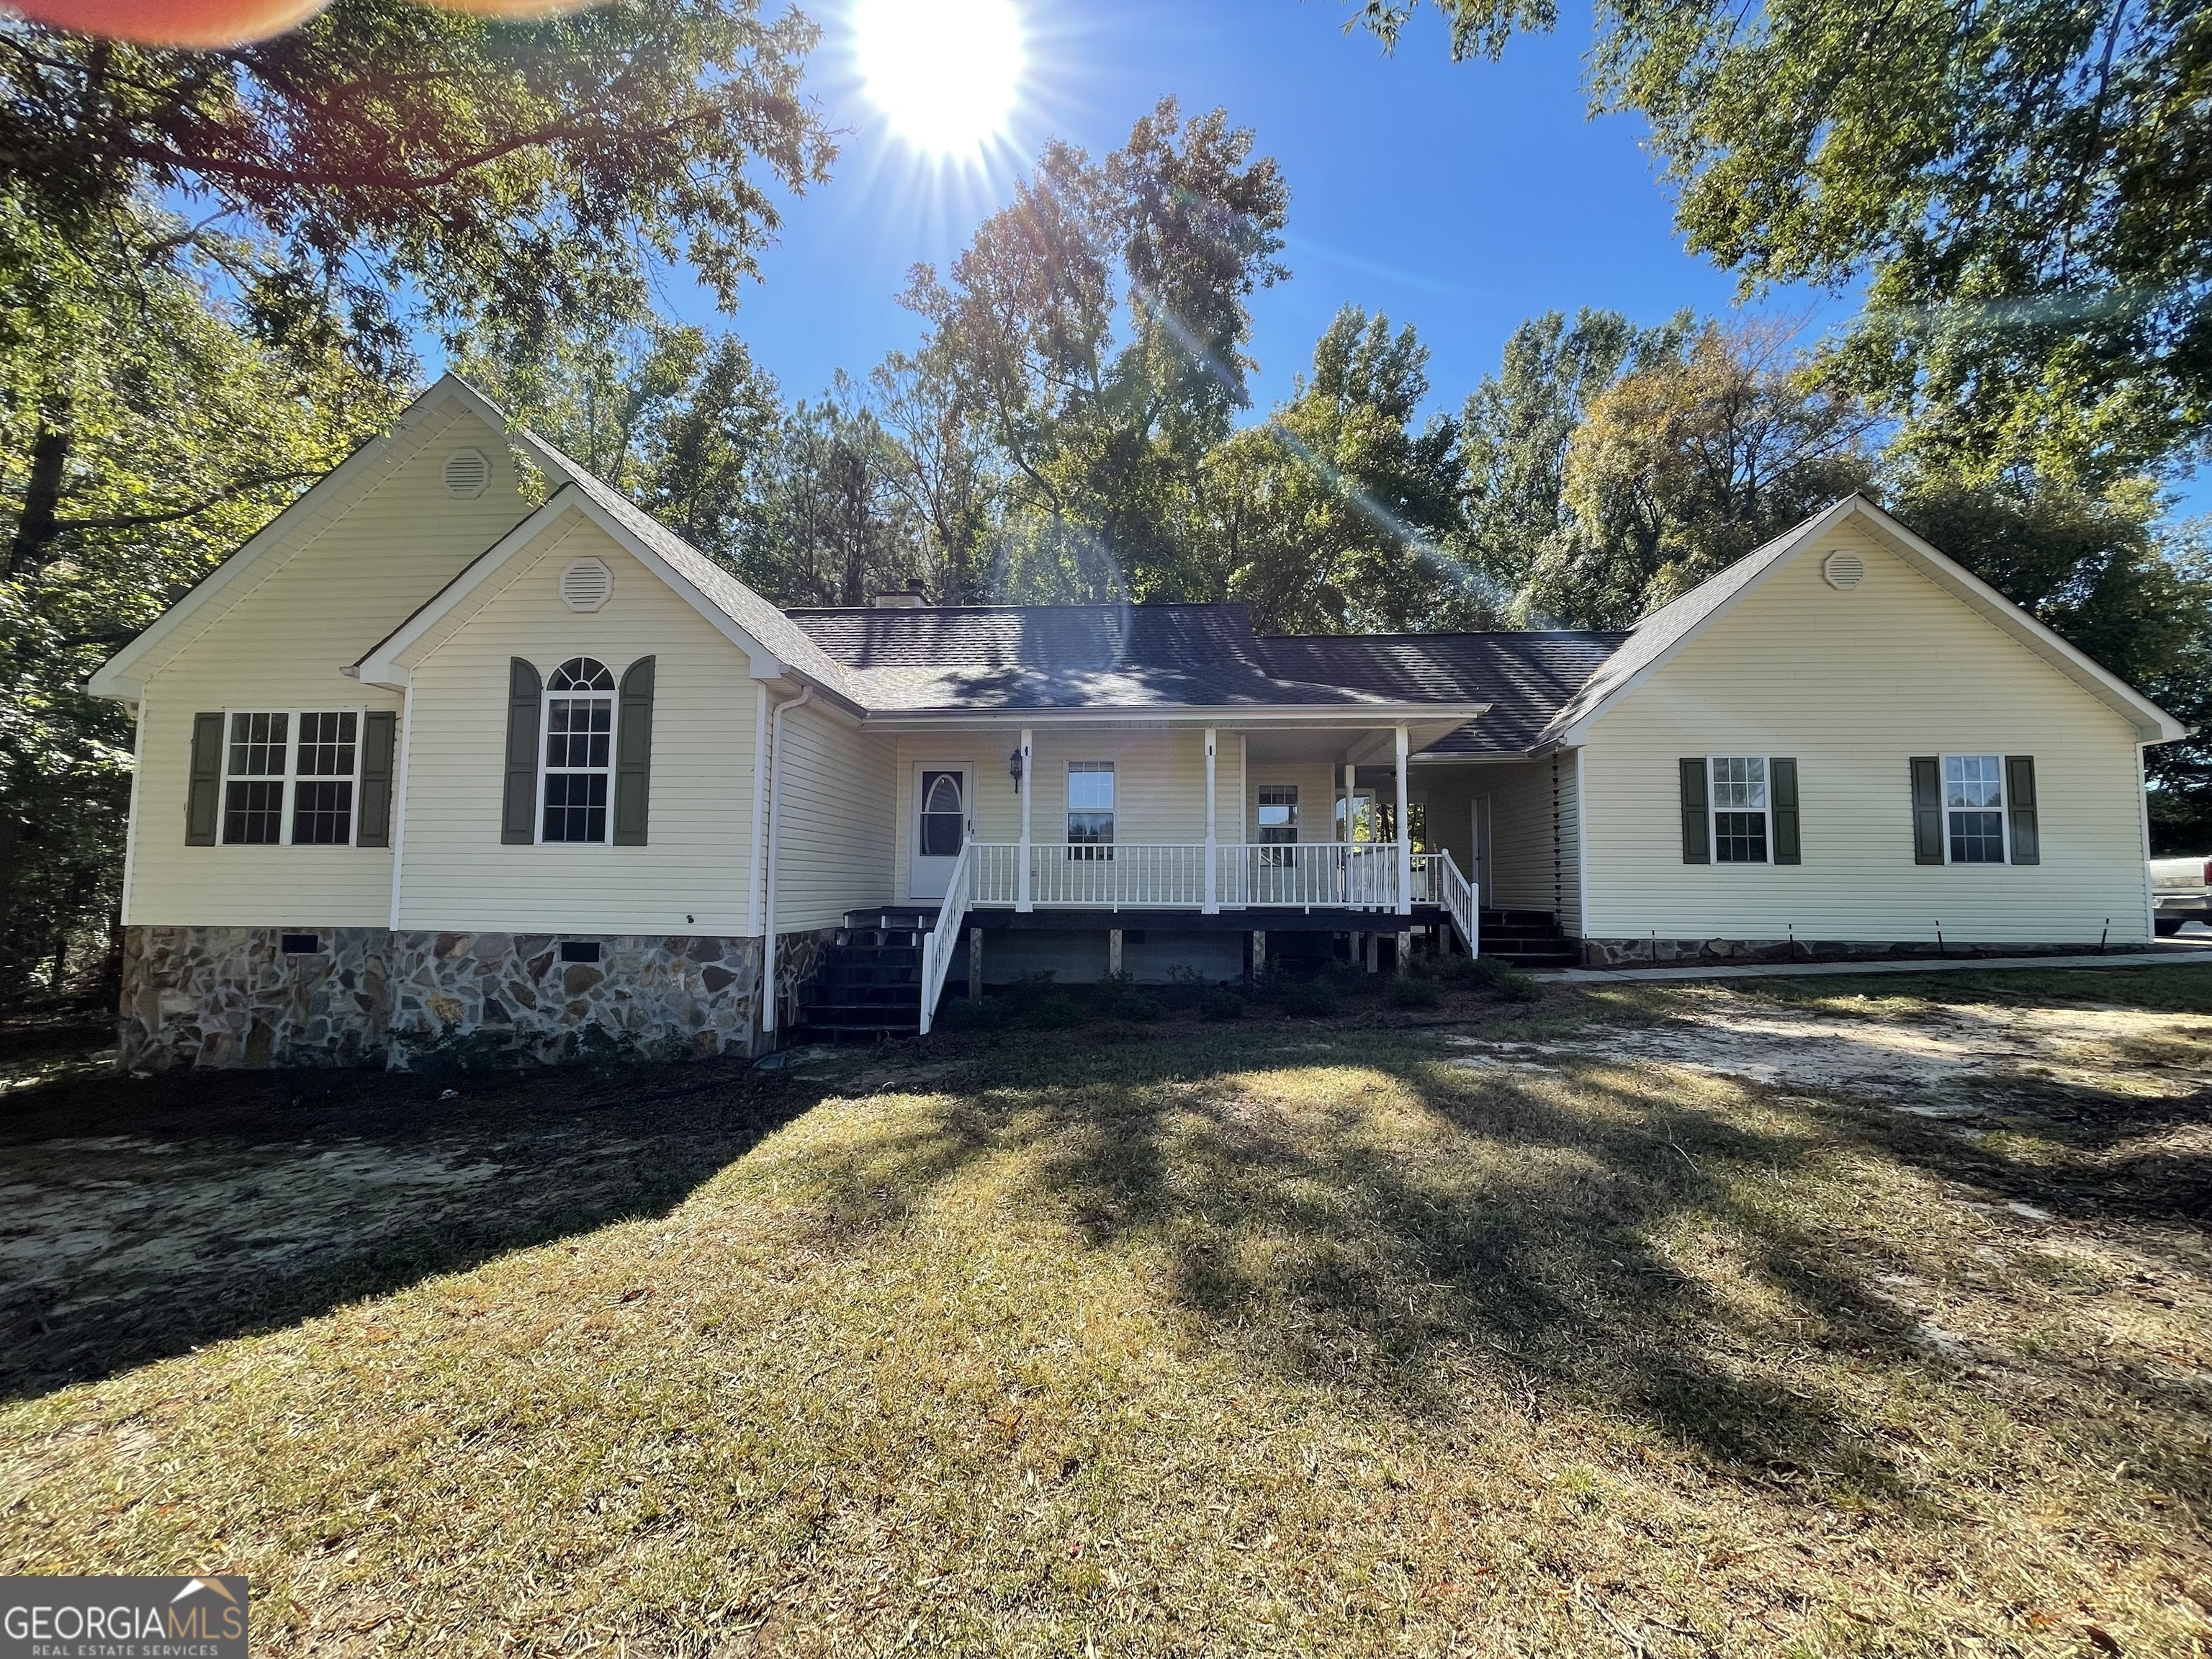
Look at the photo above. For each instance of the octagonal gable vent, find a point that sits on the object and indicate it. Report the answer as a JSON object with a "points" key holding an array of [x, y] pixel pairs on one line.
{"points": [[587, 585], [466, 473], [1844, 568]]}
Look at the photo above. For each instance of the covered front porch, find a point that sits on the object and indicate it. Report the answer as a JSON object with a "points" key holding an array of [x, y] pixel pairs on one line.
{"points": [[1103, 830]]}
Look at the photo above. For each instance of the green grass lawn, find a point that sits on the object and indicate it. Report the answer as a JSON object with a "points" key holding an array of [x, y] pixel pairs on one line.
{"points": [[1283, 1336]]}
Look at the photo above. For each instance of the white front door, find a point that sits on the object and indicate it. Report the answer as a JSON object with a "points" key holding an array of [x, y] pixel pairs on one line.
{"points": [[941, 819]]}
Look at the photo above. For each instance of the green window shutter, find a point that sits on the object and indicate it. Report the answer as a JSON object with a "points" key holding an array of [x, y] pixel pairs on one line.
{"points": [[378, 729], [1782, 778], [204, 800], [633, 753], [2020, 801], [517, 824], [1927, 810], [1697, 836]]}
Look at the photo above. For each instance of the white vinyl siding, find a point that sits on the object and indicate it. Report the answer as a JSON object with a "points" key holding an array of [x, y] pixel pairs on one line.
{"points": [[345, 574], [839, 834], [1853, 685], [1159, 783], [691, 877], [1534, 820]]}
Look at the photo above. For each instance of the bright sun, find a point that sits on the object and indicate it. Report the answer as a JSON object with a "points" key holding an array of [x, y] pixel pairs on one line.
{"points": [[945, 71]]}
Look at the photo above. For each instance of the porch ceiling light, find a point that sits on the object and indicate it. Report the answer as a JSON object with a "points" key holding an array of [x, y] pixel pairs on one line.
{"points": [[1014, 768]]}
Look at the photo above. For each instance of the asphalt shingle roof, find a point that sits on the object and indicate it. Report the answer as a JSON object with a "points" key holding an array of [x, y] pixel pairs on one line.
{"points": [[1524, 677], [1171, 655], [1073, 656]]}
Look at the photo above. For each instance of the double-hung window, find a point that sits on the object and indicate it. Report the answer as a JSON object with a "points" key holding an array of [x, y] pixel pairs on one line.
{"points": [[1278, 824], [580, 745], [1090, 810], [325, 761], [1974, 808], [1740, 808], [308, 759]]}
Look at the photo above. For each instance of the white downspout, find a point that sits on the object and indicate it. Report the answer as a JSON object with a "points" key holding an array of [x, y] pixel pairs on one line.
{"points": [[760, 809], [775, 852], [399, 797]]}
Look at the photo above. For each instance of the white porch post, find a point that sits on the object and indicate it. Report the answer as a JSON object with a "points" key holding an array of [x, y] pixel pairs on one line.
{"points": [[1029, 787], [1213, 889], [1405, 834]]}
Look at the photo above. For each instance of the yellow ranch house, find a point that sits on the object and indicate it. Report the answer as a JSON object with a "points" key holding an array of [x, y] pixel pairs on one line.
{"points": [[465, 748]]}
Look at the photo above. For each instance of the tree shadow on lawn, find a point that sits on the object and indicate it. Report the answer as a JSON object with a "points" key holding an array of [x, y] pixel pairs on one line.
{"points": [[143, 1218], [1509, 1228], [1497, 1225]]}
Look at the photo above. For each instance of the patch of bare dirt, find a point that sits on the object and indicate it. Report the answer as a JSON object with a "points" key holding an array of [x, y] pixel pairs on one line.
{"points": [[1939, 1056]]}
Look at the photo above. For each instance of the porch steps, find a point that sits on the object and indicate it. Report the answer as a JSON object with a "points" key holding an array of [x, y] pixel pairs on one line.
{"points": [[1528, 938], [870, 980]]}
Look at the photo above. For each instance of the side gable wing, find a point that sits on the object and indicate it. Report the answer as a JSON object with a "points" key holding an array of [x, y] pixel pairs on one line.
{"points": [[1663, 634], [322, 505]]}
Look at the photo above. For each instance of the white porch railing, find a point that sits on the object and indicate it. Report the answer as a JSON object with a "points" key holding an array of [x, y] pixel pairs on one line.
{"points": [[1171, 875], [938, 944], [1437, 880]]}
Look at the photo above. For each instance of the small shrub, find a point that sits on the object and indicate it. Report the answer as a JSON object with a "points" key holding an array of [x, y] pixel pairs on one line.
{"points": [[1503, 978], [1127, 1002], [969, 1014], [1406, 991], [1221, 1003], [1448, 969], [1307, 997], [1054, 1012], [1028, 990], [1184, 989]]}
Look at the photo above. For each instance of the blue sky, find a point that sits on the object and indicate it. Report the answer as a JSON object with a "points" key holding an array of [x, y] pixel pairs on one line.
{"points": [[1458, 198]]}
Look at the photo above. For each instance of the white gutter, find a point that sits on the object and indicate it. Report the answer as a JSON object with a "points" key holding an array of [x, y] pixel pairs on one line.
{"points": [[774, 852], [1380, 715]]}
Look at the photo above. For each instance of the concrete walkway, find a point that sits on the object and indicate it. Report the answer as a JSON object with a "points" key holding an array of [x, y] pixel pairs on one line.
{"points": [[2192, 948]]}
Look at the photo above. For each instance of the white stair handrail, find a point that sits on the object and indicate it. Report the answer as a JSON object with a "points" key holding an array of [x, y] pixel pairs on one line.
{"points": [[1459, 898], [938, 944]]}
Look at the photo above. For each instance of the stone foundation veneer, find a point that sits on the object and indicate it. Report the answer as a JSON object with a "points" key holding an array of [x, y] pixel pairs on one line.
{"points": [[229, 997], [1695, 952]]}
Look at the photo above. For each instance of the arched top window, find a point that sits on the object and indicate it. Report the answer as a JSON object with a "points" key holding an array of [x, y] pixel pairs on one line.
{"points": [[582, 674], [580, 741]]}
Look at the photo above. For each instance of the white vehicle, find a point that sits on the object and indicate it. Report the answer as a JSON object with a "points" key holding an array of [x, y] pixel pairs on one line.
{"points": [[2183, 890]]}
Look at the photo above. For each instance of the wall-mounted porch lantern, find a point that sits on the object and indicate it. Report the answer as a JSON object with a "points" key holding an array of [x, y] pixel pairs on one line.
{"points": [[1014, 768]]}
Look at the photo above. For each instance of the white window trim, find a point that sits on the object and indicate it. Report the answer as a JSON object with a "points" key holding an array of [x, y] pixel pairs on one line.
{"points": [[1260, 806], [286, 805], [2003, 808], [1068, 809], [1713, 814], [614, 743]]}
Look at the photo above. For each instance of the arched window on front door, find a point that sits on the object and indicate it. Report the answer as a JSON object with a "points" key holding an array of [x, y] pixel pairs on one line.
{"points": [[580, 741], [942, 818]]}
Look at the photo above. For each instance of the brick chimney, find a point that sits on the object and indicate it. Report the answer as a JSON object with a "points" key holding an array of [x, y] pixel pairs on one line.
{"points": [[899, 598]]}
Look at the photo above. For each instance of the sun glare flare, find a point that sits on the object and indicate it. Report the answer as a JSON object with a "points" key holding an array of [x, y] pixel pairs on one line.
{"points": [[946, 72]]}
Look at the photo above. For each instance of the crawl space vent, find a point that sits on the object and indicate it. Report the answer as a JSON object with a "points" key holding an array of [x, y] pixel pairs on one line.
{"points": [[467, 473], [1844, 568], [587, 585]]}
